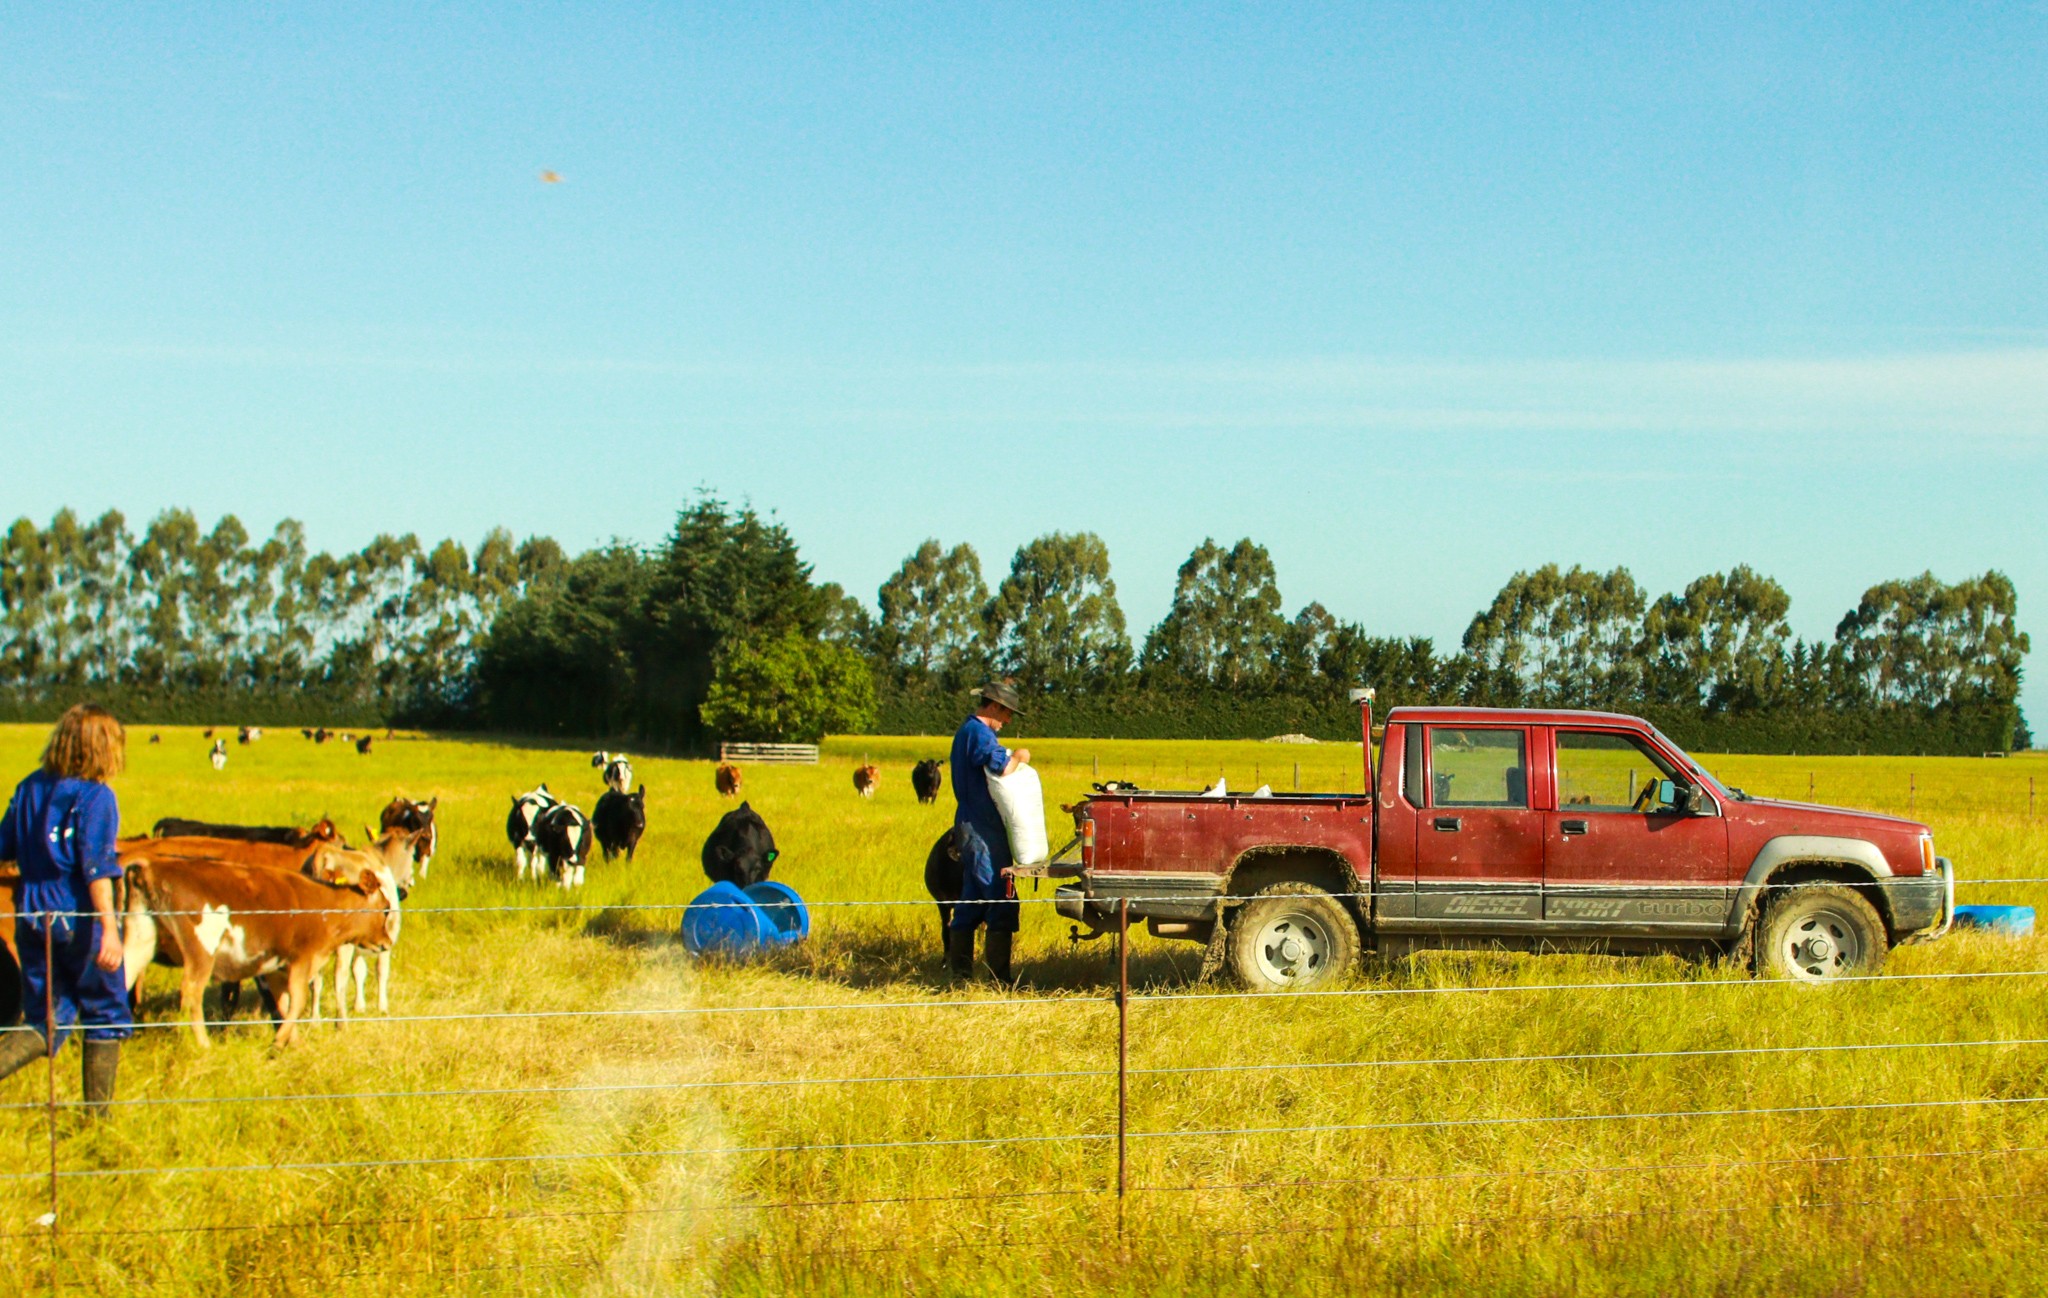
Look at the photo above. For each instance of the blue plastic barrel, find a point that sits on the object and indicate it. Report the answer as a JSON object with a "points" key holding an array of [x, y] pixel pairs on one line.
{"points": [[725, 920], [788, 919], [2006, 921]]}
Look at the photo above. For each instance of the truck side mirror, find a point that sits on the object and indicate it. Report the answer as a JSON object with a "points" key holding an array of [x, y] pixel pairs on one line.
{"points": [[1690, 800]]}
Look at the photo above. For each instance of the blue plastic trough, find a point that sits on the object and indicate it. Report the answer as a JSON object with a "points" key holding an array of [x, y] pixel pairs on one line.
{"points": [[728, 921], [2006, 921]]}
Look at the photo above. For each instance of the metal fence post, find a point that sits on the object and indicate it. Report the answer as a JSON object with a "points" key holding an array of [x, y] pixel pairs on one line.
{"points": [[50, 1066], [1123, 1054]]}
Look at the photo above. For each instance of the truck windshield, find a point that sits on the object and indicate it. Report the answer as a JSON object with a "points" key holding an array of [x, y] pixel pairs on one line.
{"points": [[1701, 771]]}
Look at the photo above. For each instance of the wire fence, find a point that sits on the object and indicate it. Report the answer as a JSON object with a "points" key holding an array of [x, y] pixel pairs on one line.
{"points": [[1120, 1135]]}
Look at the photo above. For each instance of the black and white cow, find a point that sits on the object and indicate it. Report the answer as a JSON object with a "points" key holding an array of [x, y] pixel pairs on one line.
{"points": [[620, 819], [563, 836], [740, 850], [618, 770], [519, 826]]}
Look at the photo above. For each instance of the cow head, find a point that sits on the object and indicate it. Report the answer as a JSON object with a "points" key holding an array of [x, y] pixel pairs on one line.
{"points": [[375, 883]]}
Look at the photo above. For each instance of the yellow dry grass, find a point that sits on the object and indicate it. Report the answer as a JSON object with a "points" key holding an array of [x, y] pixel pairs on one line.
{"points": [[616, 1140]]}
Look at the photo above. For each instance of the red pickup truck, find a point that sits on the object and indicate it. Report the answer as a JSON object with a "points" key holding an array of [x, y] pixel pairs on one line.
{"points": [[1550, 830]]}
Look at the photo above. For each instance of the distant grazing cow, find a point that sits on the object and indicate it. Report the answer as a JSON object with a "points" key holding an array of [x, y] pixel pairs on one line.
{"points": [[563, 835], [405, 813], [209, 733], [321, 735], [230, 922], [363, 745], [218, 754], [245, 735], [618, 770], [307, 733], [926, 779], [620, 819], [727, 777], [156, 739], [865, 778], [942, 875], [323, 831], [740, 850], [526, 809]]}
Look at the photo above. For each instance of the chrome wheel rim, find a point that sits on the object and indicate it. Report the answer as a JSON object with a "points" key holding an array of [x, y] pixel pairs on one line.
{"points": [[1293, 948], [1822, 946]]}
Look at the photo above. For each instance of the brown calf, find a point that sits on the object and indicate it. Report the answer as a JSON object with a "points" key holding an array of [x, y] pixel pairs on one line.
{"points": [[727, 777], [220, 921]]}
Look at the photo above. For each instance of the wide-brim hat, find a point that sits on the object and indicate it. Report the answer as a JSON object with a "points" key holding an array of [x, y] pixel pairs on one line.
{"points": [[1001, 692]]}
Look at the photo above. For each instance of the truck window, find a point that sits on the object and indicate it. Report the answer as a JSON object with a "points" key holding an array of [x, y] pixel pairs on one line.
{"points": [[1478, 768], [1603, 772]]}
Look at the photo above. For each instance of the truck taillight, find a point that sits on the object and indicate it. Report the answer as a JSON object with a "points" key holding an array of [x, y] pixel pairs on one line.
{"points": [[1927, 854], [1088, 835]]}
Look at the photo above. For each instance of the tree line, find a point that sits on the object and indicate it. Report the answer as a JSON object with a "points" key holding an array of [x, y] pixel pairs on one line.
{"points": [[720, 630]]}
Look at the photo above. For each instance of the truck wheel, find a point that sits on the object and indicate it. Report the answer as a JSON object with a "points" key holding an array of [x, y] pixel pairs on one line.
{"points": [[1820, 932], [1291, 936]]}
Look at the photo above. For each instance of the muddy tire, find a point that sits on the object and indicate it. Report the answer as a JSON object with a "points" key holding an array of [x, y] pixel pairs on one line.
{"points": [[1291, 937], [1820, 932]]}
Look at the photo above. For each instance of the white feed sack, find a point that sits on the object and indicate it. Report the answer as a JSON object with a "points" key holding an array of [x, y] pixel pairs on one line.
{"points": [[1021, 800]]}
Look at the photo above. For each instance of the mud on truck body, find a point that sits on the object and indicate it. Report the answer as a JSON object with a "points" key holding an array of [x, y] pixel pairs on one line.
{"points": [[1516, 828]]}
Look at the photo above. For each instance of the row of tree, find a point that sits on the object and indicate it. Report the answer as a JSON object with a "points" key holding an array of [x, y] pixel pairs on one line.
{"points": [[721, 630], [1573, 638], [391, 627]]}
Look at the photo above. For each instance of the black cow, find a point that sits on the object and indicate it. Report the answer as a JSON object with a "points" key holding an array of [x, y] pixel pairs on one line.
{"points": [[942, 876], [926, 779], [740, 850], [563, 835], [289, 835], [620, 819]]}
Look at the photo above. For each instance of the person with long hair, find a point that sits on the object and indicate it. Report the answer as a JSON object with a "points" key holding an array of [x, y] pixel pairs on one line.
{"points": [[60, 828]]}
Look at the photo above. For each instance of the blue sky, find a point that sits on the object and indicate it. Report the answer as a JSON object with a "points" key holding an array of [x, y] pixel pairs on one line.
{"points": [[1417, 296]]}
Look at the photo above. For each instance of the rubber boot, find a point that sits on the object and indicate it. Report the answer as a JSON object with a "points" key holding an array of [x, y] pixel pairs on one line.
{"points": [[960, 952], [102, 1059], [19, 1049], [997, 952]]}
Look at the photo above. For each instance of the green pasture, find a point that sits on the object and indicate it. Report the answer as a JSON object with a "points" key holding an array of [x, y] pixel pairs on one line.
{"points": [[609, 1136]]}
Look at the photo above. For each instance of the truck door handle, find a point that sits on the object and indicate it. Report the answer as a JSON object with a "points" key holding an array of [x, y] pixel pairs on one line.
{"points": [[1573, 826], [1448, 824]]}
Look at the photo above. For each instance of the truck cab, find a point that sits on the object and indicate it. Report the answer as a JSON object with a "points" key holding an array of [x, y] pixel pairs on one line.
{"points": [[1519, 828]]}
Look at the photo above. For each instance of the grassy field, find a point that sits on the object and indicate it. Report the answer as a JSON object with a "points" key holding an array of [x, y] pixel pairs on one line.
{"points": [[612, 1136]]}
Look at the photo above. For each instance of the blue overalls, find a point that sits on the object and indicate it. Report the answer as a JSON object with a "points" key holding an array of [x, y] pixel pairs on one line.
{"points": [[61, 832], [986, 896]]}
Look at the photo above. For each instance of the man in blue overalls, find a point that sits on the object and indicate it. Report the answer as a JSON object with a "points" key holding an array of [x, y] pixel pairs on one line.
{"points": [[988, 895]]}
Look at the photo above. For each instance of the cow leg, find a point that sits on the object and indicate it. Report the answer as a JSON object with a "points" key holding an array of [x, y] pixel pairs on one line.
{"points": [[295, 997], [230, 998], [359, 968], [192, 992], [383, 982], [344, 969], [945, 923]]}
